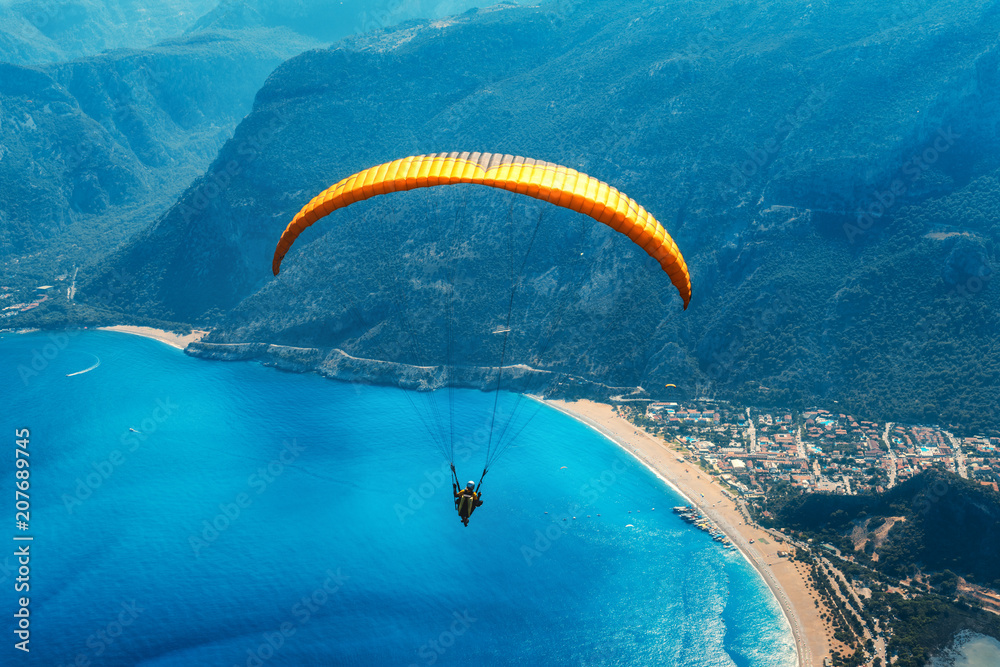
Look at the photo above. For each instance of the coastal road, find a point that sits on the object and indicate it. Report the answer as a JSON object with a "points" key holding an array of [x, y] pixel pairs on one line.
{"points": [[960, 463], [892, 456], [752, 432], [847, 594]]}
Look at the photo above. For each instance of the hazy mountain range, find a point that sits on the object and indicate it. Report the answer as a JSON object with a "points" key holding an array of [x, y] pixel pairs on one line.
{"points": [[830, 172]]}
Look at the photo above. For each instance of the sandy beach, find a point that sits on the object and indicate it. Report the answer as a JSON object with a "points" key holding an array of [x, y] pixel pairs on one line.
{"points": [[172, 339], [786, 579]]}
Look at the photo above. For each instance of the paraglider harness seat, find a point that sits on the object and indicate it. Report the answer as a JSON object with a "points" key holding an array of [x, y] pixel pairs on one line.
{"points": [[466, 501]]}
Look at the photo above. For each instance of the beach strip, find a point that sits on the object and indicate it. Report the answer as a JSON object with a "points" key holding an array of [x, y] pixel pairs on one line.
{"points": [[170, 338], [786, 579]]}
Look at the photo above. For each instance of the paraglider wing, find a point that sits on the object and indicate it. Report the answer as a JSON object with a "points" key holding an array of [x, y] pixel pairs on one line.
{"points": [[549, 182]]}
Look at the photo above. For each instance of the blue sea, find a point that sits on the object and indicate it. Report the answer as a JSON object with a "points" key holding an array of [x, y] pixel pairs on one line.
{"points": [[257, 517]]}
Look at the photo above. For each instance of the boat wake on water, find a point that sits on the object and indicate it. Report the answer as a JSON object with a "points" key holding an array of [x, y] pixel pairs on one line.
{"points": [[97, 362]]}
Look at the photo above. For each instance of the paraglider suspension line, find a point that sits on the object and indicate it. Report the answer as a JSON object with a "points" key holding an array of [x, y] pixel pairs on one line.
{"points": [[503, 348]]}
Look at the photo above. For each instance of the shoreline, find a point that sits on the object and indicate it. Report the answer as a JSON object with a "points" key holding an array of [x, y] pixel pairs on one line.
{"points": [[807, 628], [788, 586], [172, 339]]}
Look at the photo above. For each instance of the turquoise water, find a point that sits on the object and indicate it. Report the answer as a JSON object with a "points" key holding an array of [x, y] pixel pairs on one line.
{"points": [[334, 539], [970, 649]]}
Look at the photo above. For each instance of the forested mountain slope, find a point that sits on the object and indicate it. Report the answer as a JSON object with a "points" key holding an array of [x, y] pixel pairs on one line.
{"points": [[829, 171], [92, 149], [48, 31]]}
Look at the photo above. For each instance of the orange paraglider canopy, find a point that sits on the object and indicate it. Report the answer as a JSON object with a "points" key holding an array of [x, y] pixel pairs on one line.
{"points": [[549, 182]]}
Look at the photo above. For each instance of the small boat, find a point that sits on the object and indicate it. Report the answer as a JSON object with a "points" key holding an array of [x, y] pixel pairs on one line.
{"points": [[134, 431]]}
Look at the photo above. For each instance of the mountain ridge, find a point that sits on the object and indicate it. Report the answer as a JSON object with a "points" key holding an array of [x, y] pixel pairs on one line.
{"points": [[664, 102]]}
